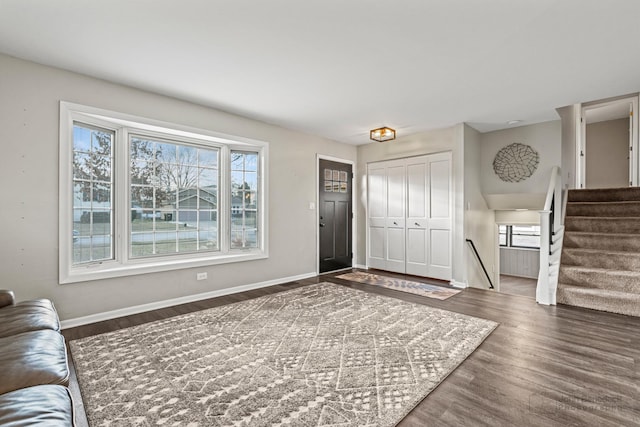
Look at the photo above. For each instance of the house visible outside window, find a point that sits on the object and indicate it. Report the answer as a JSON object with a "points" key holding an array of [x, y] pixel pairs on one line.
{"points": [[244, 199], [174, 197], [92, 194], [148, 197], [519, 236]]}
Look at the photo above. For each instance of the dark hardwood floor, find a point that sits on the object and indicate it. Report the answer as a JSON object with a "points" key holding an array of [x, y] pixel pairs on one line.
{"points": [[514, 285], [543, 366]]}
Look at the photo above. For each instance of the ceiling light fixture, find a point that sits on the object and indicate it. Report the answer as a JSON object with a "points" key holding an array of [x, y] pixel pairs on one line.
{"points": [[382, 134]]}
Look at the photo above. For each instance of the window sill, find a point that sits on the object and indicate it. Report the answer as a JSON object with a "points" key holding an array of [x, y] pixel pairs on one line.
{"points": [[113, 269], [520, 248]]}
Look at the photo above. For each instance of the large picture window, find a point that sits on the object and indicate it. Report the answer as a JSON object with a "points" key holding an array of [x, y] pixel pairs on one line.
{"points": [[137, 196], [174, 197]]}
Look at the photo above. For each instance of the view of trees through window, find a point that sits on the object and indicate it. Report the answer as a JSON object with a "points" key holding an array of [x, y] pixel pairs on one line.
{"points": [[173, 195], [244, 199], [92, 194]]}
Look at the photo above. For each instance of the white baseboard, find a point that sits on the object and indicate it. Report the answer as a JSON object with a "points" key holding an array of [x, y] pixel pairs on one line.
{"points": [[362, 266], [456, 284], [107, 315]]}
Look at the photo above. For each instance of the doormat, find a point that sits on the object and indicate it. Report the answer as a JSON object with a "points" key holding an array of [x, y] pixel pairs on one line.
{"points": [[422, 289], [320, 355]]}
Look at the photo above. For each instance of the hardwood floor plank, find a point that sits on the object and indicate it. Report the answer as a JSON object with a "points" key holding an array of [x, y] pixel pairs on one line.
{"points": [[543, 366]]}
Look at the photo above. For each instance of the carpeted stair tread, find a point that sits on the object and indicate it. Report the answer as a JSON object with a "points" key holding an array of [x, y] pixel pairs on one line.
{"points": [[600, 262], [627, 242], [599, 299], [603, 224], [615, 209], [600, 278], [613, 260], [604, 194]]}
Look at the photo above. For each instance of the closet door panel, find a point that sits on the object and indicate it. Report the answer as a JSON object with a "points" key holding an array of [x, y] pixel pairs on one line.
{"points": [[416, 189], [416, 225], [440, 189], [440, 217], [377, 214], [440, 249], [395, 250], [377, 257], [417, 251], [395, 224]]}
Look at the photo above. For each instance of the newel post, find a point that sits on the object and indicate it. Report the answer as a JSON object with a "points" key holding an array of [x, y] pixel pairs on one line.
{"points": [[543, 289]]}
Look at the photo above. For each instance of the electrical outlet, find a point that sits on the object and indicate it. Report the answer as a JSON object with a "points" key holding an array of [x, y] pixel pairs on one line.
{"points": [[201, 276]]}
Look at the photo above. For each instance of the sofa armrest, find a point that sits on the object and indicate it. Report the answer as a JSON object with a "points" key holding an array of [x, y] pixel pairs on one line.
{"points": [[7, 298]]}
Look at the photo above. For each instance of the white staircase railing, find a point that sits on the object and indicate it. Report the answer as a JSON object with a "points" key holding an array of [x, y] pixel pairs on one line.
{"points": [[551, 233]]}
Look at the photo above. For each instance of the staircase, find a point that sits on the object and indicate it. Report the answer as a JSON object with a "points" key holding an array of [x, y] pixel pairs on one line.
{"points": [[600, 263]]}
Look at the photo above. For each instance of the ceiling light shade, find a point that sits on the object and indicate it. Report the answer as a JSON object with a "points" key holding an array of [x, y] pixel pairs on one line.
{"points": [[382, 134]]}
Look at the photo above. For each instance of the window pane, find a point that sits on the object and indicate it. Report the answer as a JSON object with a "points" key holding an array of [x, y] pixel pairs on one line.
{"points": [[165, 243], [187, 155], [526, 241], [178, 200], [251, 162], [82, 168], [92, 195], [208, 158], [526, 229], [250, 181], [81, 139], [244, 200], [525, 235], [503, 240]]}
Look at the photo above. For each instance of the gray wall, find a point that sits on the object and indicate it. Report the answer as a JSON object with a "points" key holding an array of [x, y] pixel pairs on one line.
{"points": [[569, 137], [520, 262], [479, 220], [29, 107], [545, 138], [607, 154]]}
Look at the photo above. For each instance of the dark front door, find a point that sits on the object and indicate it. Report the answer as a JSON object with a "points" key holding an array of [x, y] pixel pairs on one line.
{"points": [[335, 207]]}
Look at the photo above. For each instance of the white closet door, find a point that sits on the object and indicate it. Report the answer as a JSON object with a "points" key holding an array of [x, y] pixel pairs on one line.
{"points": [[439, 213], [416, 224], [395, 221], [377, 216]]}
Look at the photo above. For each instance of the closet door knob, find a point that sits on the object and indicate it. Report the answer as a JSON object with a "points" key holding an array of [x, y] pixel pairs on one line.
{"points": [[395, 223], [417, 224]]}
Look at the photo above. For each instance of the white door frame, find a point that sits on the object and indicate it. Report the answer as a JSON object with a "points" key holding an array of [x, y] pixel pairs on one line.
{"points": [[354, 223], [581, 141]]}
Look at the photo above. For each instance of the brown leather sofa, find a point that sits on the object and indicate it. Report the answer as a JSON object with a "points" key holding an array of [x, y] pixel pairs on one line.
{"points": [[33, 362]]}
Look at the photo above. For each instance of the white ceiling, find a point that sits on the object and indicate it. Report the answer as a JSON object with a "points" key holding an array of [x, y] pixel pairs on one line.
{"points": [[338, 68]]}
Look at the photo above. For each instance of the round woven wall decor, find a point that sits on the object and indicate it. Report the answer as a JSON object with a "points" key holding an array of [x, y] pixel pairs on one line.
{"points": [[515, 162]]}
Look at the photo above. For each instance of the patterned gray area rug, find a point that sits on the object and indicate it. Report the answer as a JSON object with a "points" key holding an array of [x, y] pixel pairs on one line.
{"points": [[321, 355], [422, 289]]}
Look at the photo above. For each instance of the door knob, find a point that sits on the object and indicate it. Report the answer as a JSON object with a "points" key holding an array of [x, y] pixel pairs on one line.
{"points": [[417, 224], [395, 223], [321, 224]]}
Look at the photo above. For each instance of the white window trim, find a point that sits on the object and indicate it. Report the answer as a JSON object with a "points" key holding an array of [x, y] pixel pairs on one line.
{"points": [[122, 265]]}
